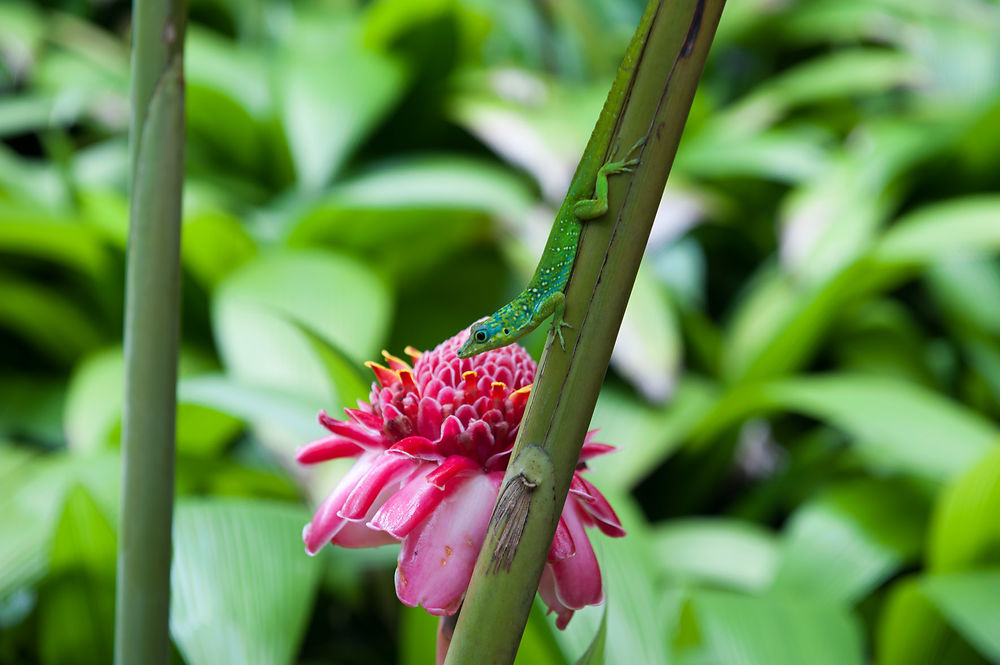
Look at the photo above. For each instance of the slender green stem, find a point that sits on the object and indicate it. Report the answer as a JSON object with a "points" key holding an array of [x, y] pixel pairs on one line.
{"points": [[151, 333], [651, 97]]}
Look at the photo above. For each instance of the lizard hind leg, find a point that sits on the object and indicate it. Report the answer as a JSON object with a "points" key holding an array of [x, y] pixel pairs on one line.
{"points": [[597, 206]]}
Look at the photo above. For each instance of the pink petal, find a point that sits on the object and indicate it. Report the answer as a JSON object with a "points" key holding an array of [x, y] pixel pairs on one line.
{"points": [[436, 560], [365, 418], [450, 468], [361, 435], [408, 507], [578, 578], [385, 473], [327, 448], [547, 590], [597, 506], [429, 418], [357, 534], [592, 450]]}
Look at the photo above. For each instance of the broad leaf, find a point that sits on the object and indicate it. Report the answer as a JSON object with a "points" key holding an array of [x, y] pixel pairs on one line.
{"points": [[242, 588], [730, 629], [846, 542], [971, 603], [965, 531], [717, 552]]}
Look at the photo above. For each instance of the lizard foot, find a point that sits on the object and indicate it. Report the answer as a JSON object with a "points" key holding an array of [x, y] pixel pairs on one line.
{"points": [[557, 326]]}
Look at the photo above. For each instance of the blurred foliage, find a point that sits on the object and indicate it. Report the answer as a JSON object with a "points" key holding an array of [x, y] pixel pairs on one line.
{"points": [[806, 390]]}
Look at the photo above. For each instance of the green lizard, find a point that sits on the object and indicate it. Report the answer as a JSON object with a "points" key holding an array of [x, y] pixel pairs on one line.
{"points": [[543, 297]]}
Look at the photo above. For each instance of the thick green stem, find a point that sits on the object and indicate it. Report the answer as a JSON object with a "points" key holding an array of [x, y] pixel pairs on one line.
{"points": [[650, 98], [151, 333]]}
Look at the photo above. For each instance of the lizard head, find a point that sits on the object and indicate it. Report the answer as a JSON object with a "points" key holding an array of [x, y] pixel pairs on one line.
{"points": [[484, 335]]}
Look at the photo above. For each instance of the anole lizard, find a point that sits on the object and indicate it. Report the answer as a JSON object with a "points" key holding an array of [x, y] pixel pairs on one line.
{"points": [[543, 297]]}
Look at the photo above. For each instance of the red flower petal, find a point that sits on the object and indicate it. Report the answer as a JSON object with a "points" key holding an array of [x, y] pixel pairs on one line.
{"points": [[578, 578], [562, 543], [450, 468], [418, 447], [599, 508]]}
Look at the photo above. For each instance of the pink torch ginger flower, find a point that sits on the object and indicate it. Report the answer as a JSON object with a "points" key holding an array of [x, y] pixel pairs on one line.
{"points": [[432, 447]]}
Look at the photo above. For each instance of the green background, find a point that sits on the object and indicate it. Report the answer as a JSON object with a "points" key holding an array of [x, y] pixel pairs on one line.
{"points": [[806, 389]]}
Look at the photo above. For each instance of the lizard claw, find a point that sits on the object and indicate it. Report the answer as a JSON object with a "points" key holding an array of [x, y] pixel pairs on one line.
{"points": [[557, 329]]}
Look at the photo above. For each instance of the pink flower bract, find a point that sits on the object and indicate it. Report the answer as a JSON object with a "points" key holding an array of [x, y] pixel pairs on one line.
{"points": [[432, 445]]}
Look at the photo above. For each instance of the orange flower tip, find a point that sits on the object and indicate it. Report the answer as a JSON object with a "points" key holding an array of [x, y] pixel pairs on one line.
{"points": [[385, 376], [394, 362], [413, 353], [520, 396], [406, 376], [497, 389]]}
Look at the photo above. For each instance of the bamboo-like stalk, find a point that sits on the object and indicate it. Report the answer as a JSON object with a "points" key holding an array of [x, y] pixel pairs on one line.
{"points": [[651, 97], [152, 303]]}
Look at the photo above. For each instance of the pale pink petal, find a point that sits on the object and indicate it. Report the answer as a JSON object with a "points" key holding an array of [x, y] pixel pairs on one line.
{"points": [[408, 507], [388, 472], [436, 560], [326, 522], [547, 590], [358, 534]]}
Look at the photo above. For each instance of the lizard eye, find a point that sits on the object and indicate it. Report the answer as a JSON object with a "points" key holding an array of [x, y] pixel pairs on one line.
{"points": [[506, 331], [480, 336]]}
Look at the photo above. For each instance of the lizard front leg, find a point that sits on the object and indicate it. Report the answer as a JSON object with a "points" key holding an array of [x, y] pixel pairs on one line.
{"points": [[553, 305]]}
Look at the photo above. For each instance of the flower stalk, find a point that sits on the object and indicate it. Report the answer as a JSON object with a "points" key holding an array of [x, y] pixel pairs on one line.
{"points": [[650, 98], [152, 302]]}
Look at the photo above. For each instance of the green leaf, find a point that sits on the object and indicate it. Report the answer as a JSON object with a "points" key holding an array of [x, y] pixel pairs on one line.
{"points": [[94, 401], [840, 74], [214, 245], [323, 115], [717, 552], [281, 411], [92, 416], [594, 655], [970, 603], [893, 425], [965, 531], [962, 225], [41, 315], [781, 155], [841, 545], [28, 232], [648, 349], [635, 611], [539, 643], [242, 588], [646, 435], [912, 632], [966, 287], [741, 630], [76, 609], [262, 308]]}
